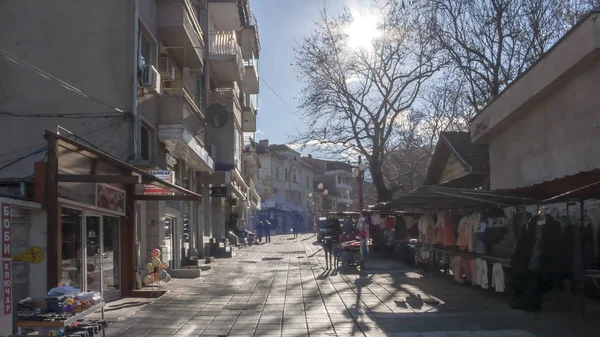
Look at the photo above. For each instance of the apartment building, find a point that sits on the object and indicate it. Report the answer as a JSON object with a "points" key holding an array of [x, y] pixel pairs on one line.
{"points": [[337, 179], [284, 185], [165, 87]]}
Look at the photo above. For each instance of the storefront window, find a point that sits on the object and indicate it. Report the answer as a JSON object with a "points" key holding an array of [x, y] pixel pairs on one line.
{"points": [[72, 259]]}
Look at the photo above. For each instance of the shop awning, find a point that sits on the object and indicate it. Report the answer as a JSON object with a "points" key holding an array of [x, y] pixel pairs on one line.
{"points": [[433, 198], [577, 187], [132, 174]]}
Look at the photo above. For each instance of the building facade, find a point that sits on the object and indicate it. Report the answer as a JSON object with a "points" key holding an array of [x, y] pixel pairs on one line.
{"points": [[284, 184], [337, 179], [168, 87]]}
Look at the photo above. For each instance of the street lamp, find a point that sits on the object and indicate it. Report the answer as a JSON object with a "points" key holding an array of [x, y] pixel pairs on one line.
{"points": [[359, 173], [311, 196]]}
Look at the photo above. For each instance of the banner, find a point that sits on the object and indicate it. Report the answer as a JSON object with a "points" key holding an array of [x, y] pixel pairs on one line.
{"points": [[5, 209], [162, 175], [6, 260], [110, 197], [6, 287]]}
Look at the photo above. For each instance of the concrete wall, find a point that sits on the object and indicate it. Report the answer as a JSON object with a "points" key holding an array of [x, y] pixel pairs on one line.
{"points": [[88, 44], [557, 137]]}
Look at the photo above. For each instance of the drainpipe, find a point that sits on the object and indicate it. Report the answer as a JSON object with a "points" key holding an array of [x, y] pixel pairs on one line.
{"points": [[136, 33]]}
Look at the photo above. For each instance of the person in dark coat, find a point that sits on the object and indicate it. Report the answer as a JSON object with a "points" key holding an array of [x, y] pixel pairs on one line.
{"points": [[267, 231], [536, 262], [295, 228]]}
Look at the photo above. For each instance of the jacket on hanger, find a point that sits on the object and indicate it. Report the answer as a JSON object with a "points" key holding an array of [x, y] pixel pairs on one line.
{"points": [[400, 228], [550, 254]]}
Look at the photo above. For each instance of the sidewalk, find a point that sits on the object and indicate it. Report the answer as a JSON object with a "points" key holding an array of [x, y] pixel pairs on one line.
{"points": [[281, 289]]}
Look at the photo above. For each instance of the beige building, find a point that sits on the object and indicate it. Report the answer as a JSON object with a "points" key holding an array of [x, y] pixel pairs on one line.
{"points": [[168, 86], [545, 125], [284, 183], [337, 179]]}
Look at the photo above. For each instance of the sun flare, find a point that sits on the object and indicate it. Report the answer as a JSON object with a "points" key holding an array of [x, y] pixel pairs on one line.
{"points": [[363, 30]]}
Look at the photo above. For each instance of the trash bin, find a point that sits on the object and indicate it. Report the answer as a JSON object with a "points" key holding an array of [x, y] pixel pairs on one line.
{"points": [[250, 239]]}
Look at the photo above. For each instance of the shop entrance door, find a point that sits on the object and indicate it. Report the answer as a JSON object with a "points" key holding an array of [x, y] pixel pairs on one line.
{"points": [[103, 255]]}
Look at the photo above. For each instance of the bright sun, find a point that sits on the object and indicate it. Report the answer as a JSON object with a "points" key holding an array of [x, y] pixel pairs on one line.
{"points": [[363, 30]]}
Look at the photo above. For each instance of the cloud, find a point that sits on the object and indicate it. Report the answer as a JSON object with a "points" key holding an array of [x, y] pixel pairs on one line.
{"points": [[325, 150]]}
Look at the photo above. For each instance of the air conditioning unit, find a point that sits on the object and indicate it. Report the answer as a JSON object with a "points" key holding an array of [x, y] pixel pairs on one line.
{"points": [[166, 69], [151, 78]]}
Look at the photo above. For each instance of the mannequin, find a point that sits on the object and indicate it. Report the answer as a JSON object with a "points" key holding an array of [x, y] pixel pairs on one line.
{"points": [[536, 261]]}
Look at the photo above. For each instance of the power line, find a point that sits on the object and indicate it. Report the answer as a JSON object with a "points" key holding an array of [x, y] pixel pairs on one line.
{"points": [[45, 148], [283, 101], [54, 79]]}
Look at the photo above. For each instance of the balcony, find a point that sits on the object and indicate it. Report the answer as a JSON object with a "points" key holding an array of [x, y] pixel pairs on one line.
{"points": [[250, 39], [230, 98], [180, 31], [229, 14], [225, 56], [250, 83], [248, 114], [181, 127]]}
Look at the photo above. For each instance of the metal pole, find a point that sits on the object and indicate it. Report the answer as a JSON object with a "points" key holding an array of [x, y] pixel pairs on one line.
{"points": [[360, 187]]}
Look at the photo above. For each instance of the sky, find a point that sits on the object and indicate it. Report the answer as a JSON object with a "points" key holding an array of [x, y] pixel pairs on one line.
{"points": [[281, 23]]}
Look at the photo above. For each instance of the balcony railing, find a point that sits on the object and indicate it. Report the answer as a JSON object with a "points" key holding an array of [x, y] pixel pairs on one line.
{"points": [[192, 20], [224, 43], [183, 92]]}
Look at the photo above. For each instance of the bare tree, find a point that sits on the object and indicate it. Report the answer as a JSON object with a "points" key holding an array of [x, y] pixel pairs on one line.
{"points": [[492, 42], [442, 106], [354, 99]]}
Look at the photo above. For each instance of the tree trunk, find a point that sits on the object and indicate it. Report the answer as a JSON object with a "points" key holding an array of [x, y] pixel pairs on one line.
{"points": [[383, 193]]}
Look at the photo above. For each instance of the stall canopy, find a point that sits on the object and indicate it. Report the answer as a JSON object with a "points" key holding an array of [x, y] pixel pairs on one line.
{"points": [[432, 198], [92, 161], [577, 187]]}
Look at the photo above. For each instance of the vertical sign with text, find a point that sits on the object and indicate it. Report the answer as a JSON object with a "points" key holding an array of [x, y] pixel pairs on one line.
{"points": [[6, 260]]}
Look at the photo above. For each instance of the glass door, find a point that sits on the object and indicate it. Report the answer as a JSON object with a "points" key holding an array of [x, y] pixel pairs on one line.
{"points": [[93, 237], [111, 262], [102, 264]]}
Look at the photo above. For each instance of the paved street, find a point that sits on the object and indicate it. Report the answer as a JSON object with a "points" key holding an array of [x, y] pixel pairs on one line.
{"points": [[282, 289]]}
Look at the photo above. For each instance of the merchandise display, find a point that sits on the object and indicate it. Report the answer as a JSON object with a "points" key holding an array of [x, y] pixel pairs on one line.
{"points": [[64, 309]]}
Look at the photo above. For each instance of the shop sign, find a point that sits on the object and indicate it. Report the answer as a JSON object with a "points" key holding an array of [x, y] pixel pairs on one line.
{"points": [[5, 231], [218, 191], [165, 175], [6, 287], [110, 197]]}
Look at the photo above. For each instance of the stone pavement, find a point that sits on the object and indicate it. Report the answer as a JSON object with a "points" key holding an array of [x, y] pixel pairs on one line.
{"points": [[281, 289]]}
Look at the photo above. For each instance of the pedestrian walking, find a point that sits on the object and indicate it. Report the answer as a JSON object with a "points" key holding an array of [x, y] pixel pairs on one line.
{"points": [[295, 228], [260, 229], [328, 242], [267, 231]]}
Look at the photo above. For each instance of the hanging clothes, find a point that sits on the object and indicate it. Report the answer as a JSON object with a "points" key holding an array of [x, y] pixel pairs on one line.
{"points": [[456, 269], [449, 235], [472, 228], [483, 274], [475, 280], [376, 219], [568, 236], [439, 227], [587, 246], [498, 277], [390, 222], [536, 262], [426, 227], [400, 230], [412, 230], [463, 240]]}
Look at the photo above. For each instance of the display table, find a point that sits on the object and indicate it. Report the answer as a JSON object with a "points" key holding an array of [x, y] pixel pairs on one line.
{"points": [[59, 324]]}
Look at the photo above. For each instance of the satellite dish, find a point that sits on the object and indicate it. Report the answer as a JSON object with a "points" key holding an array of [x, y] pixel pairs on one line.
{"points": [[217, 115]]}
